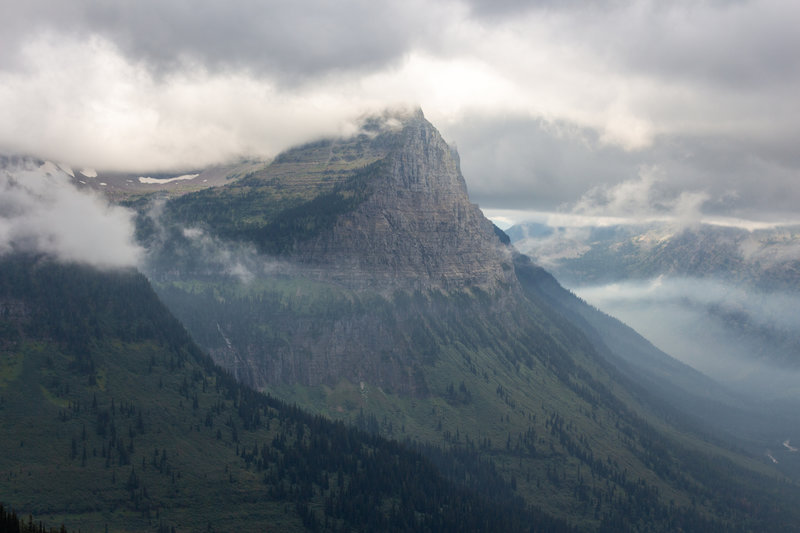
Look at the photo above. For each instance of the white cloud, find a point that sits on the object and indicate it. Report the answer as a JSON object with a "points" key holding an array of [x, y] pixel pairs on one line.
{"points": [[695, 308], [42, 212], [84, 103], [643, 199], [82, 100], [151, 85]]}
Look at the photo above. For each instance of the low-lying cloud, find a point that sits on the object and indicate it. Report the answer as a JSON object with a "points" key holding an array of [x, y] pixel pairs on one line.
{"points": [[175, 250], [782, 248], [42, 212], [743, 337], [642, 200]]}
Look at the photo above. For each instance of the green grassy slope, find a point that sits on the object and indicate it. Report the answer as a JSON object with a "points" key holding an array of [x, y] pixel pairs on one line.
{"points": [[294, 198]]}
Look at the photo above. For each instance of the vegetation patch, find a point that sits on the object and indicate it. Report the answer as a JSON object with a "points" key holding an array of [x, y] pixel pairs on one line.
{"points": [[10, 367]]}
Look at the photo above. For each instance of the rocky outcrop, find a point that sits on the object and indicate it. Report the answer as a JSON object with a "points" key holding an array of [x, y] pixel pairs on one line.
{"points": [[416, 230], [382, 217]]}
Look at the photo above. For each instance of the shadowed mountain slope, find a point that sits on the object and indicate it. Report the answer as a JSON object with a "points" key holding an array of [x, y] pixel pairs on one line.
{"points": [[377, 294], [113, 419]]}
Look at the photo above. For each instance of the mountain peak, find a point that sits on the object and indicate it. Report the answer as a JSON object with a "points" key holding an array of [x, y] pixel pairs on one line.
{"points": [[385, 209], [416, 228], [425, 161], [391, 120]]}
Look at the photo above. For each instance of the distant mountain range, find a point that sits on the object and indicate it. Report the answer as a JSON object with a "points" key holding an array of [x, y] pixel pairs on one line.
{"points": [[767, 259], [721, 298]]}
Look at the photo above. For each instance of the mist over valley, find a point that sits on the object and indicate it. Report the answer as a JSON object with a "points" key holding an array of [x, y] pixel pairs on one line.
{"points": [[721, 299]]}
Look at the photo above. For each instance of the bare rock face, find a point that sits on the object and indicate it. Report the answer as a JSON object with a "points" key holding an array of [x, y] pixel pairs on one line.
{"points": [[417, 229], [357, 347], [412, 231]]}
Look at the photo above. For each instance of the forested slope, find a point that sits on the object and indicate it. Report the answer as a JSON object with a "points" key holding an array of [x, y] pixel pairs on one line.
{"points": [[112, 417]]}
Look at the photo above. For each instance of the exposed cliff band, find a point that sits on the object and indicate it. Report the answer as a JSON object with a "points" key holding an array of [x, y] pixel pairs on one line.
{"points": [[417, 228]]}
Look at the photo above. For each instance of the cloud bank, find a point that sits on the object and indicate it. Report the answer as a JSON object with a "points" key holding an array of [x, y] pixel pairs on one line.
{"points": [[42, 212], [745, 338], [546, 100], [642, 200]]}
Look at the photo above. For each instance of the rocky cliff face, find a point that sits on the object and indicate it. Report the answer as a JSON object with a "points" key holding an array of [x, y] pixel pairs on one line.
{"points": [[357, 222], [416, 230]]}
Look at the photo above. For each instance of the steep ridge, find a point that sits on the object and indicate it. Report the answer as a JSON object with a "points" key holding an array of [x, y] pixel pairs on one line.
{"points": [[112, 419], [384, 298]]}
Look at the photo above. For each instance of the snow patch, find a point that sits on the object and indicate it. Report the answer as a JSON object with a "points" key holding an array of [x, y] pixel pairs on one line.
{"points": [[150, 180], [66, 169], [772, 458], [88, 172], [192, 233]]}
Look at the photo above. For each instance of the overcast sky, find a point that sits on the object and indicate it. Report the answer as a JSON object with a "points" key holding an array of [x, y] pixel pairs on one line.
{"points": [[613, 108]]}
